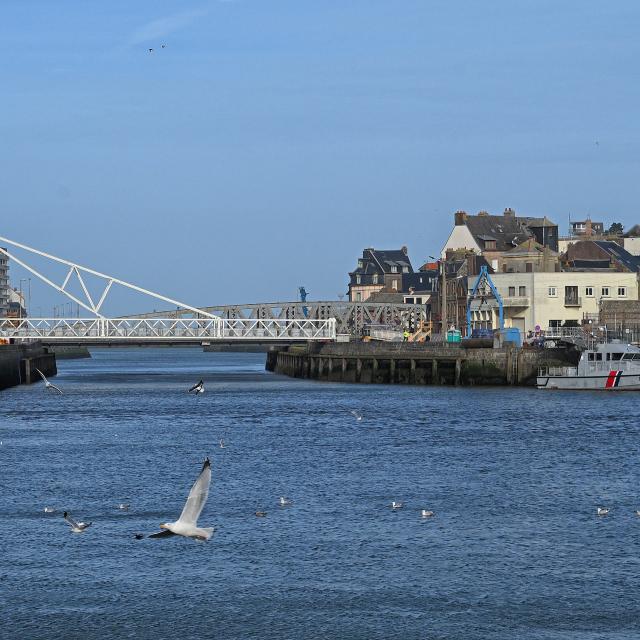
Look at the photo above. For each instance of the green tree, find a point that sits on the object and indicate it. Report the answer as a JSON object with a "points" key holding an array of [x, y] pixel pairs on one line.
{"points": [[616, 228]]}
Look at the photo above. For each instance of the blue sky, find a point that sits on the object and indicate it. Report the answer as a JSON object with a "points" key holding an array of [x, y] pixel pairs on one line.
{"points": [[271, 141]]}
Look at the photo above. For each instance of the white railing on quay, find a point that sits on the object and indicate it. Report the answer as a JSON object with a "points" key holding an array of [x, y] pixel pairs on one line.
{"points": [[166, 329]]}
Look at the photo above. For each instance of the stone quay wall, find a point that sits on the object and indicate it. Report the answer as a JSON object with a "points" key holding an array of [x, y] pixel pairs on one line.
{"points": [[18, 364], [407, 363]]}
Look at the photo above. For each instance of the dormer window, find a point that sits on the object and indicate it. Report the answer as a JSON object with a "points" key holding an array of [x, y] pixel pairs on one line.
{"points": [[360, 264], [375, 278], [358, 280], [489, 244], [394, 269], [405, 269]]}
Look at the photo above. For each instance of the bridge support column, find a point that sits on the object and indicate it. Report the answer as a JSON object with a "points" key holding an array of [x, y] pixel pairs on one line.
{"points": [[344, 369], [358, 369], [412, 372], [434, 371], [392, 371], [320, 367], [329, 368], [374, 370], [458, 369]]}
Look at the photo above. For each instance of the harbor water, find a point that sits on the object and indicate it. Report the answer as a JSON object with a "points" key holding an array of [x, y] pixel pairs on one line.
{"points": [[514, 476]]}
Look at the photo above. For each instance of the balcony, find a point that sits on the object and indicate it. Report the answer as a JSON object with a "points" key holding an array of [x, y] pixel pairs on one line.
{"points": [[572, 301], [515, 301]]}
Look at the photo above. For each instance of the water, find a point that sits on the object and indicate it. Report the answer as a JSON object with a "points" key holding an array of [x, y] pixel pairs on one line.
{"points": [[514, 476]]}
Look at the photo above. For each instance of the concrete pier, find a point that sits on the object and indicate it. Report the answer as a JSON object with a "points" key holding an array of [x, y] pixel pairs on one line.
{"points": [[418, 364]]}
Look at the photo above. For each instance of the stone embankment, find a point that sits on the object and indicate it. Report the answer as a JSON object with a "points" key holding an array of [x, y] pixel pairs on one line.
{"points": [[420, 364], [18, 364]]}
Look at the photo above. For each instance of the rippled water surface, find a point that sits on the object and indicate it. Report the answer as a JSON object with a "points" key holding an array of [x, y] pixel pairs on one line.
{"points": [[514, 475]]}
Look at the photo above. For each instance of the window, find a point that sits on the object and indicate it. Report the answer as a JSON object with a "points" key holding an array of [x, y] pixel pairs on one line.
{"points": [[358, 280], [555, 323], [512, 292], [358, 297], [522, 291], [528, 267], [588, 291], [622, 292], [553, 292], [375, 278], [409, 300], [394, 285], [360, 264], [394, 269], [405, 269], [605, 292]]}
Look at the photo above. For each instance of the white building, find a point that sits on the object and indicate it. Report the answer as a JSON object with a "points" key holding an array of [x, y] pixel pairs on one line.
{"points": [[548, 299], [4, 285]]}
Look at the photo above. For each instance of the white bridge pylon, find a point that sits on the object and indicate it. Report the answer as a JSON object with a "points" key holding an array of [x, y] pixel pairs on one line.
{"points": [[202, 327]]}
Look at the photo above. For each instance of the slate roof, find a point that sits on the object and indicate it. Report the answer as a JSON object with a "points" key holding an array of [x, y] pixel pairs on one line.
{"points": [[531, 245], [506, 231], [620, 254], [381, 260]]}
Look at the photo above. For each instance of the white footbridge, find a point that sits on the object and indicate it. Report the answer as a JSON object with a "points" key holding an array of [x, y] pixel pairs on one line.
{"points": [[195, 326]]}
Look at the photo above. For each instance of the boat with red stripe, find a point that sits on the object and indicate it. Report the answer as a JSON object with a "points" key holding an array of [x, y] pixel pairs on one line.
{"points": [[612, 366]]}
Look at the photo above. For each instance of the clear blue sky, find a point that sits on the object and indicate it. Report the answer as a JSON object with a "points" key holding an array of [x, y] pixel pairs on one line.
{"points": [[270, 141]]}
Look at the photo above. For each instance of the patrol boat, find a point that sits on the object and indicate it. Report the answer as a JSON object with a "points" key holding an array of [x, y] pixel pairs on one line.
{"points": [[611, 366]]}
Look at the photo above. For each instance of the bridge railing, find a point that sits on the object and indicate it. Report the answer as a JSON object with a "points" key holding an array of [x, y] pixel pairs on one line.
{"points": [[166, 329]]}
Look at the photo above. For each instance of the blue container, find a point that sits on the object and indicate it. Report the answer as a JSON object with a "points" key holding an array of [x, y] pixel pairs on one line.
{"points": [[513, 335]]}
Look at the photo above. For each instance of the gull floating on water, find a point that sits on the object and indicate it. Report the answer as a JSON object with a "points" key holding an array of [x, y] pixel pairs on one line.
{"points": [[197, 388], [285, 502], [123, 506], [49, 510], [357, 415], [139, 536], [638, 512], [602, 511], [47, 384], [76, 527], [222, 444], [261, 514], [396, 505], [427, 514], [187, 524]]}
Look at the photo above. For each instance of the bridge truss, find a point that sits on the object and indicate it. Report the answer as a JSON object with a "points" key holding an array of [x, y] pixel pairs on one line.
{"points": [[195, 326]]}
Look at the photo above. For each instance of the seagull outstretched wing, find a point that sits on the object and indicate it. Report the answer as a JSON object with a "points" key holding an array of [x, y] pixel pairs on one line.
{"points": [[197, 496], [71, 521], [196, 387]]}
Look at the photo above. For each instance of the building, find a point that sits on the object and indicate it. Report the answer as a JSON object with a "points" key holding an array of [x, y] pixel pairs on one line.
{"points": [[539, 300], [600, 254], [16, 305], [380, 270], [528, 257], [578, 228], [492, 236], [4, 285]]}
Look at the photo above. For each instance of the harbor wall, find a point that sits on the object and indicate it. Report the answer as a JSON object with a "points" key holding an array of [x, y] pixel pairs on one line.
{"points": [[407, 363], [18, 364]]}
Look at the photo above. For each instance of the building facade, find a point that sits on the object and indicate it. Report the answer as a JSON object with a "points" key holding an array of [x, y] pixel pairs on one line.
{"points": [[378, 270], [552, 299], [4, 285]]}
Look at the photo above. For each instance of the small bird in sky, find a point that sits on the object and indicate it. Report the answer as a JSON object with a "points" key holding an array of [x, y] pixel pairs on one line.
{"points": [[76, 527], [150, 50], [197, 388], [164, 46], [47, 385]]}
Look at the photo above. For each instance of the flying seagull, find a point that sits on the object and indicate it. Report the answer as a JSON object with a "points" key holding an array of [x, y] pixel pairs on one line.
{"points": [[357, 415], [186, 524], [47, 384], [150, 50], [197, 388], [76, 527]]}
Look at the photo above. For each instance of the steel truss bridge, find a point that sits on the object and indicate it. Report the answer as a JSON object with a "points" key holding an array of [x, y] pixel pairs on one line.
{"points": [[279, 322], [352, 318], [195, 326]]}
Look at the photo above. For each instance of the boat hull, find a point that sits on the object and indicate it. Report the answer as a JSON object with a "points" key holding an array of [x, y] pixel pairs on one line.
{"points": [[613, 381]]}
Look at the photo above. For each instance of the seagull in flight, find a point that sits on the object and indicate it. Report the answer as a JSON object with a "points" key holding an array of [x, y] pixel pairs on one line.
{"points": [[76, 527], [357, 415], [197, 388], [47, 384], [187, 524]]}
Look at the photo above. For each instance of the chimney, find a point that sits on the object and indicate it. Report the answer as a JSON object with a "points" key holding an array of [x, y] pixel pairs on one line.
{"points": [[483, 213], [587, 228], [404, 250], [509, 213], [460, 218]]}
